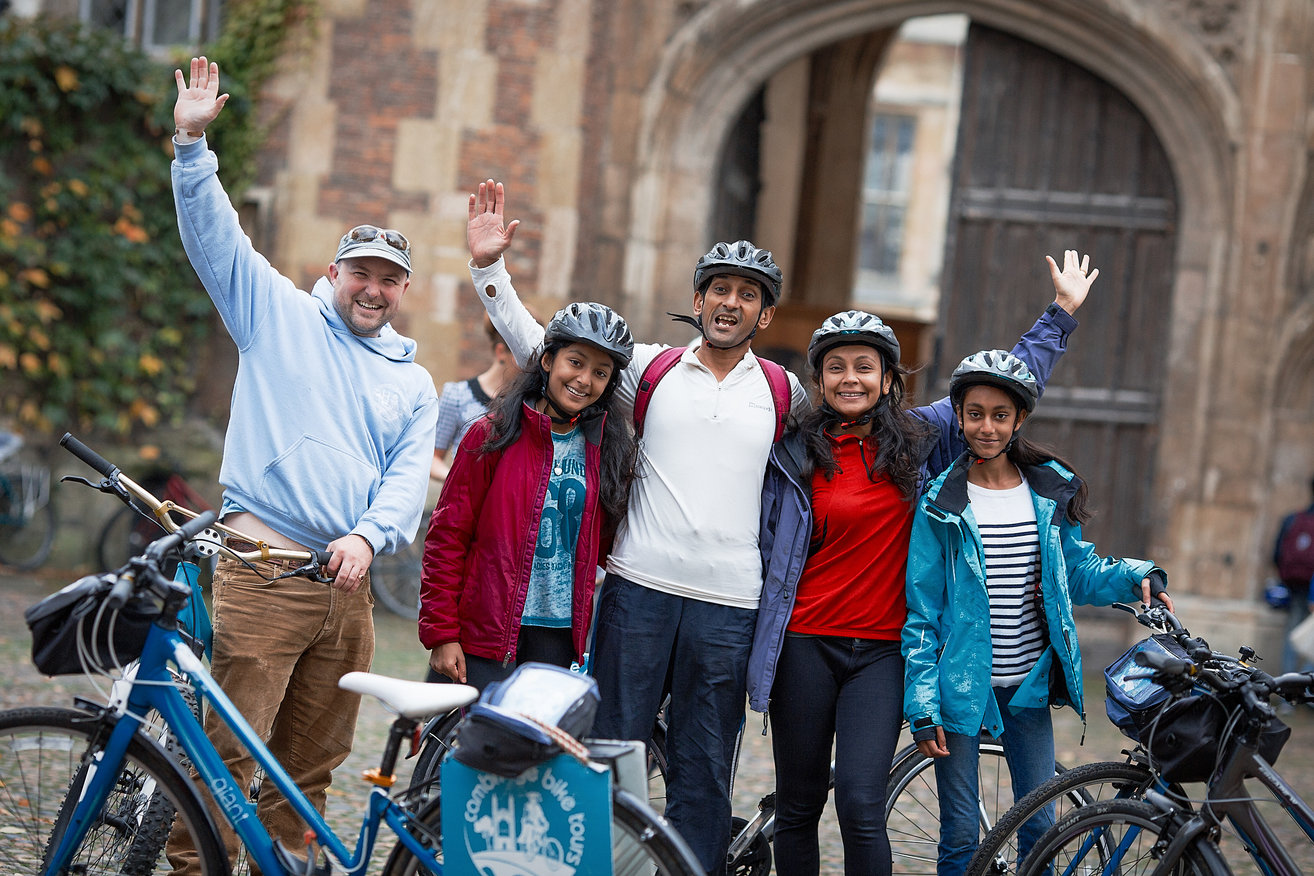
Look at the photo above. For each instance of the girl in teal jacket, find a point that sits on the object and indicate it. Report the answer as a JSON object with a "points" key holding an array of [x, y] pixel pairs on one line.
{"points": [[995, 564]]}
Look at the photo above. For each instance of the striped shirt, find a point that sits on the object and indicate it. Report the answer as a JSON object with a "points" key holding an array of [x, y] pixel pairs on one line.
{"points": [[1006, 520]]}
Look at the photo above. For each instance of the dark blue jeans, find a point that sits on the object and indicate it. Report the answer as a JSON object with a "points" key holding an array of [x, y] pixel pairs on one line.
{"points": [[645, 638], [1028, 741], [850, 692]]}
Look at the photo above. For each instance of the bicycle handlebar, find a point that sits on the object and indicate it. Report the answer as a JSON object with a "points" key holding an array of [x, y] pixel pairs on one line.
{"points": [[127, 490], [89, 456]]}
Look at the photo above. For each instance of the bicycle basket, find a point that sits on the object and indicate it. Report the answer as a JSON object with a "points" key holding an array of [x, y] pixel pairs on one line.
{"points": [[70, 630], [498, 735], [1132, 698], [1183, 739]]}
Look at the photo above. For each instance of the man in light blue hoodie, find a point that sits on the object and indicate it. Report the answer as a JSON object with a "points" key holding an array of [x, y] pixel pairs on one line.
{"points": [[329, 441]]}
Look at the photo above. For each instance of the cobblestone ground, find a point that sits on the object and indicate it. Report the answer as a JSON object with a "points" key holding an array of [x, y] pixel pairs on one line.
{"points": [[399, 653]]}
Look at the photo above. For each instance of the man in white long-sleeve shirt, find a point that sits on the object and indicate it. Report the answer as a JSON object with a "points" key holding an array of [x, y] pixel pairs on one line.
{"points": [[684, 578]]}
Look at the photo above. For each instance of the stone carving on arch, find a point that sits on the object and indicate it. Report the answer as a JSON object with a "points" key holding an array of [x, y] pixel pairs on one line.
{"points": [[696, 92], [1216, 24]]}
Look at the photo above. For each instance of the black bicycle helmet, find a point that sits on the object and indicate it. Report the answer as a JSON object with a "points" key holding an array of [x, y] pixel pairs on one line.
{"points": [[595, 324], [996, 368], [852, 327], [741, 259]]}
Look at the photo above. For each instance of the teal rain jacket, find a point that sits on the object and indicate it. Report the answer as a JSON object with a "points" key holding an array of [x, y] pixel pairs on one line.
{"points": [[946, 641]]}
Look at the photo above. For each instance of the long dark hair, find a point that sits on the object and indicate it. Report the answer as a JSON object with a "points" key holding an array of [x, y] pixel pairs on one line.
{"points": [[1022, 451], [898, 436], [1025, 452], [617, 450]]}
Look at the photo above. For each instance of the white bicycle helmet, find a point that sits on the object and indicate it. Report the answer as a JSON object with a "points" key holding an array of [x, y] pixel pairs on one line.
{"points": [[595, 324], [741, 259], [852, 327], [996, 368]]}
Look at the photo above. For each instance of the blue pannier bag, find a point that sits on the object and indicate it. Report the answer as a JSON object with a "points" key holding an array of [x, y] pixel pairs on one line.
{"points": [[1132, 697]]}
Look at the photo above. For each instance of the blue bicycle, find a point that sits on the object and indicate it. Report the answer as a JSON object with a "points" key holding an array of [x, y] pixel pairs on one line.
{"points": [[89, 790]]}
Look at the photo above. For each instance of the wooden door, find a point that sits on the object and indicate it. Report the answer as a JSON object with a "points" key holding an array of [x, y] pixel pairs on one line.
{"points": [[1051, 157]]}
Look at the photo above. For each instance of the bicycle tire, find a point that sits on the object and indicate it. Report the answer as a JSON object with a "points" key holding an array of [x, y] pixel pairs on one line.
{"points": [[26, 535], [1088, 783], [642, 841], [395, 578], [1085, 842], [435, 743], [656, 754], [44, 755], [912, 805], [144, 850]]}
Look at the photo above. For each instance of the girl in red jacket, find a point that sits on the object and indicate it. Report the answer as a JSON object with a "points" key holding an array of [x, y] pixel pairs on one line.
{"points": [[513, 546]]}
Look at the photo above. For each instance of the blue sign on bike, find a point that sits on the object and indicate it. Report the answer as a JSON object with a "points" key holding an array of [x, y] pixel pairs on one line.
{"points": [[551, 820]]}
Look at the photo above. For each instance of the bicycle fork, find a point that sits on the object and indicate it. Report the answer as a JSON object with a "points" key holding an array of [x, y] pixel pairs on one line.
{"points": [[96, 776]]}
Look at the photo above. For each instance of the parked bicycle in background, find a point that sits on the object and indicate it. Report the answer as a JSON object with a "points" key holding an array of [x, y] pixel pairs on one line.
{"points": [[27, 515]]}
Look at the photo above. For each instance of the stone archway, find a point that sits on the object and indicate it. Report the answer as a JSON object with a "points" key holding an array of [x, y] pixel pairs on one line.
{"points": [[1177, 82], [697, 93]]}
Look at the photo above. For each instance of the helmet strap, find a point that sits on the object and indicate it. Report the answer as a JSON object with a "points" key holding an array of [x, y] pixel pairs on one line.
{"points": [[552, 409]]}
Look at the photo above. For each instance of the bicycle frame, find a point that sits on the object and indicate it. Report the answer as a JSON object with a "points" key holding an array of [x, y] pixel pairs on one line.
{"points": [[154, 688], [1229, 799]]}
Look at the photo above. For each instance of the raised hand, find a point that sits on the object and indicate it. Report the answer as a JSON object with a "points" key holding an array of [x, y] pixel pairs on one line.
{"points": [[1071, 285], [486, 233], [199, 102]]}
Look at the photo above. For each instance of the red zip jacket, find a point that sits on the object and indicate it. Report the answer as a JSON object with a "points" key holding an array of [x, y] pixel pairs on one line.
{"points": [[479, 552]]}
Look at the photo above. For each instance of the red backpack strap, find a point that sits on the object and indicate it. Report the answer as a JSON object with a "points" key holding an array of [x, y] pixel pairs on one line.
{"points": [[652, 375], [778, 379], [776, 376]]}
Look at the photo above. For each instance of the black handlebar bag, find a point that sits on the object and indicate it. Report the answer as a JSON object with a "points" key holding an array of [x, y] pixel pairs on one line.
{"points": [[71, 633], [1183, 740]]}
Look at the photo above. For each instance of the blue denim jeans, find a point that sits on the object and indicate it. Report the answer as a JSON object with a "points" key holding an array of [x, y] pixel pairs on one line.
{"points": [[848, 692], [1028, 741], [648, 642]]}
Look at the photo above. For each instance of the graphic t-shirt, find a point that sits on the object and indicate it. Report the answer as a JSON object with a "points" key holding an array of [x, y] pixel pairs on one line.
{"points": [[552, 579]]}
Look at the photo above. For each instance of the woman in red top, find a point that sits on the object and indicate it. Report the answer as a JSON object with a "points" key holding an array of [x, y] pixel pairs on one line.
{"points": [[838, 675], [837, 511]]}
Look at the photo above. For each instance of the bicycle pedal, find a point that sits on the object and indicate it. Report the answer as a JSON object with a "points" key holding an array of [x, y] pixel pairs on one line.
{"points": [[294, 863]]}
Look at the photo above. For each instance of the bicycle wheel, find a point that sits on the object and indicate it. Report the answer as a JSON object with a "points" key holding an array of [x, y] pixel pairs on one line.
{"points": [[912, 805], [395, 578], [1120, 837], [27, 517], [46, 755], [999, 852], [435, 744], [642, 843], [656, 749]]}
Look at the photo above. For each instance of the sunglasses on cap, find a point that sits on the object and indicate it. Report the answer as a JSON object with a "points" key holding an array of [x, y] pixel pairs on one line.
{"points": [[369, 233]]}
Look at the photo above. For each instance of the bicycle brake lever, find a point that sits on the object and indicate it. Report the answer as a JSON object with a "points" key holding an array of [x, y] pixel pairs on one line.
{"points": [[105, 486], [309, 570]]}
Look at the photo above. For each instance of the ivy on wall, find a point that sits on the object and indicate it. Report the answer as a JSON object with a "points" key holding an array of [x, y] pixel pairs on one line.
{"points": [[101, 315]]}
